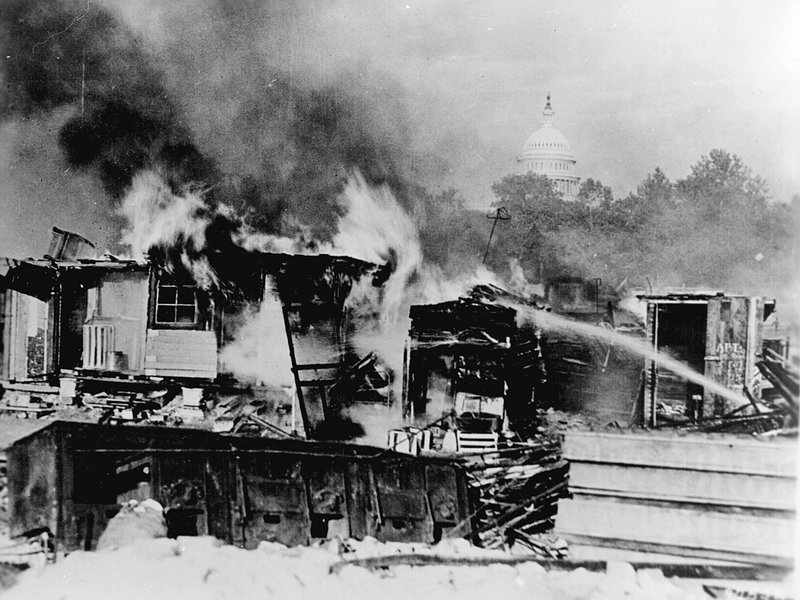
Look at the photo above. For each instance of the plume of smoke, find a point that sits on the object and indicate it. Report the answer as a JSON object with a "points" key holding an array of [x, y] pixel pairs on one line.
{"points": [[260, 350], [519, 283], [633, 305]]}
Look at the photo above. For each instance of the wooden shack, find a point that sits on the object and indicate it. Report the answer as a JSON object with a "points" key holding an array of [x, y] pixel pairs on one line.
{"points": [[717, 335], [69, 479], [103, 321]]}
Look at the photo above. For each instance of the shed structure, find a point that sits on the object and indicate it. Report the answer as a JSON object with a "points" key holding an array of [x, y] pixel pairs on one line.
{"points": [[70, 478], [717, 335]]}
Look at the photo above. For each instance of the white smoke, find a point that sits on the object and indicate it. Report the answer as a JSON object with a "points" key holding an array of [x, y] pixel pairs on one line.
{"points": [[301, 240], [634, 306], [519, 283], [260, 350]]}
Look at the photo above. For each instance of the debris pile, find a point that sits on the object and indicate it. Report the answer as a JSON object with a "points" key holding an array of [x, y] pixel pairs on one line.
{"points": [[517, 490], [784, 377]]}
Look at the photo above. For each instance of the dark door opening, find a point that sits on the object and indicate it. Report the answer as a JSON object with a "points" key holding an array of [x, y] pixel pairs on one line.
{"points": [[680, 334]]}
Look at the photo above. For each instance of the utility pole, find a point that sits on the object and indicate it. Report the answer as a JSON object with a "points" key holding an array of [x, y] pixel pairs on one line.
{"points": [[83, 80], [501, 214]]}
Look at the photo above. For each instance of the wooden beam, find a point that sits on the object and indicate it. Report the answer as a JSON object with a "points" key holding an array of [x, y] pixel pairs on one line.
{"points": [[694, 571]]}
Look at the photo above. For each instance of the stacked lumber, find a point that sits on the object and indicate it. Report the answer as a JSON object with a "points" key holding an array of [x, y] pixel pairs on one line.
{"points": [[516, 493], [709, 496], [785, 379]]}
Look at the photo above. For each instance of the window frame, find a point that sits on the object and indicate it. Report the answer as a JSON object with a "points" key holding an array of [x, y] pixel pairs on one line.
{"points": [[165, 280]]}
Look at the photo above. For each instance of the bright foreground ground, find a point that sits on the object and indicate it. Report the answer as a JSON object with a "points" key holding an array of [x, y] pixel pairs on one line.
{"points": [[202, 568]]}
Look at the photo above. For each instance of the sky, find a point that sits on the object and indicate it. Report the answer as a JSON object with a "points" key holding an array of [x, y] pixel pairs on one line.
{"points": [[635, 85], [452, 88]]}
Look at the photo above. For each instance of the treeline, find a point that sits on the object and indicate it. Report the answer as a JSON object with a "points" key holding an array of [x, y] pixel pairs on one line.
{"points": [[715, 228]]}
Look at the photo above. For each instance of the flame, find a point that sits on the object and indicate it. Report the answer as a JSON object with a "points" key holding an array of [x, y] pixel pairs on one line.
{"points": [[158, 217], [375, 228]]}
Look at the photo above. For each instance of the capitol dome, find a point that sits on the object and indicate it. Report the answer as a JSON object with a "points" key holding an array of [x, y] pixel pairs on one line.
{"points": [[547, 152]]}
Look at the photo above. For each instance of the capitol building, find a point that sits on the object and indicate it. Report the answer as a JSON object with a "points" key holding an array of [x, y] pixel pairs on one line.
{"points": [[547, 152]]}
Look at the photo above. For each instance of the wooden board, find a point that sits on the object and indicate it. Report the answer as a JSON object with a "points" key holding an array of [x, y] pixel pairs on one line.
{"points": [[674, 526], [729, 489], [709, 452], [181, 353]]}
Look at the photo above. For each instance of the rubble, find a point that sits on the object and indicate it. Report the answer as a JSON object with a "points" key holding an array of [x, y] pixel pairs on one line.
{"points": [[517, 489], [473, 455]]}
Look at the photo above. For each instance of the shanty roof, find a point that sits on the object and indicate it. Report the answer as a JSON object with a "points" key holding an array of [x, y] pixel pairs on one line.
{"points": [[692, 296], [106, 262], [110, 262], [142, 438], [687, 295], [466, 320], [38, 277]]}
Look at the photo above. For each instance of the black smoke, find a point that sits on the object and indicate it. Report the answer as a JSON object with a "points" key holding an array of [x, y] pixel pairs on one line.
{"points": [[77, 55], [251, 130]]}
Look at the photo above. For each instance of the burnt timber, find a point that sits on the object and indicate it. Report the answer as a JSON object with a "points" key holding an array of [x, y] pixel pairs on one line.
{"points": [[69, 479]]}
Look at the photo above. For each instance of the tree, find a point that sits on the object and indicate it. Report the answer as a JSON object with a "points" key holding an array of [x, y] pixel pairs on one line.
{"points": [[452, 236], [715, 228], [593, 204], [721, 181], [538, 211], [720, 226]]}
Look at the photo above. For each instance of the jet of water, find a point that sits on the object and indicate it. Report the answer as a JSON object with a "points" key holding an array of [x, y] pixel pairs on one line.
{"points": [[549, 321]]}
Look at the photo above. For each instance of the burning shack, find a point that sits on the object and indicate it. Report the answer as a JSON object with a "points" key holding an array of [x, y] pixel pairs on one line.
{"points": [[468, 367], [128, 336], [123, 328]]}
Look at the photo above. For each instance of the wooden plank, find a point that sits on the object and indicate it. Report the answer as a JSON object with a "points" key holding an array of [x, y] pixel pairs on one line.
{"points": [[181, 359], [711, 452], [755, 491], [178, 333], [690, 570], [180, 373], [583, 547], [191, 343], [762, 535], [181, 353], [181, 366], [155, 347], [40, 388]]}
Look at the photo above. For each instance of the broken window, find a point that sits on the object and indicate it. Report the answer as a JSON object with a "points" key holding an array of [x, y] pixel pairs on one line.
{"points": [[176, 303]]}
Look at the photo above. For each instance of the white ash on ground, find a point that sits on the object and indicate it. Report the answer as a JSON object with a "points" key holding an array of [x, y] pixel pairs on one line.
{"points": [[203, 568]]}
